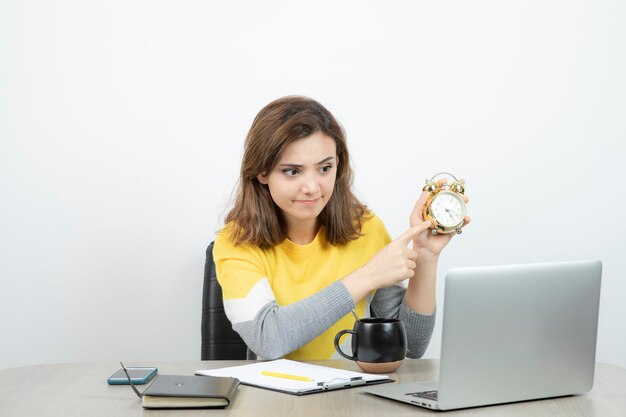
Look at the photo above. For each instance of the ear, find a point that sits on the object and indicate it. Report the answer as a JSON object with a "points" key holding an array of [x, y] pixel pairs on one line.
{"points": [[262, 178]]}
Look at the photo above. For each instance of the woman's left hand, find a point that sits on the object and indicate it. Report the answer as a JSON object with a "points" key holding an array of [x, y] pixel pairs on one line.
{"points": [[427, 245]]}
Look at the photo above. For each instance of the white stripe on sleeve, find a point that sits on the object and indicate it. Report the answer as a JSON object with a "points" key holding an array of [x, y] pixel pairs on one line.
{"points": [[239, 310]]}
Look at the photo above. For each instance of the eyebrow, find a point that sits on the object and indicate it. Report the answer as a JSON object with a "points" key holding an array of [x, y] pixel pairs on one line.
{"points": [[300, 166]]}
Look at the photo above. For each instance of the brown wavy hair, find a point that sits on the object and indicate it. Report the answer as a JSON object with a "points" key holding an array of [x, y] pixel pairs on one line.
{"points": [[255, 218]]}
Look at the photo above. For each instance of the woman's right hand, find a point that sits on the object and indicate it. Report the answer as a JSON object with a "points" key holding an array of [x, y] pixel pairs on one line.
{"points": [[392, 264], [395, 262]]}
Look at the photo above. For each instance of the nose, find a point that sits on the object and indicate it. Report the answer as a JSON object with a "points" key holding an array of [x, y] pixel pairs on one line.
{"points": [[310, 186]]}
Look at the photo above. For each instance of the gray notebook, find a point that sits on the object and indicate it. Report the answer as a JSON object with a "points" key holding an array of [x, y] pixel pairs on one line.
{"points": [[183, 391]]}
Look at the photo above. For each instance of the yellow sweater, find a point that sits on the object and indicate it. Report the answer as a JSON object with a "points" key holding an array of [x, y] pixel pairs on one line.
{"points": [[287, 273]]}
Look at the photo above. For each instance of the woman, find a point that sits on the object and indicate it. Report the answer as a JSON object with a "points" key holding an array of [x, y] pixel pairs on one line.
{"points": [[299, 251]]}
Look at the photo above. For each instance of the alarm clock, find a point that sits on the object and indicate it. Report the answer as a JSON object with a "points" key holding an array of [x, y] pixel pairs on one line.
{"points": [[445, 207]]}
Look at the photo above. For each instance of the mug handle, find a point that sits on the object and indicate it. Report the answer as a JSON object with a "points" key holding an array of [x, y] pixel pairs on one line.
{"points": [[341, 333]]}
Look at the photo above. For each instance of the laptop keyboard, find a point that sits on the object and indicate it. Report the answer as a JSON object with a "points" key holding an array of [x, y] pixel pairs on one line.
{"points": [[429, 395]]}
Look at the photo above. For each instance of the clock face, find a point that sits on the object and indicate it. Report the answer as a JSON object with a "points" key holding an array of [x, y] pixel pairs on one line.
{"points": [[448, 209]]}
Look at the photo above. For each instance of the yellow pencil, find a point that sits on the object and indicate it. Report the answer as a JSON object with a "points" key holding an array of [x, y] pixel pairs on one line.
{"points": [[286, 376]]}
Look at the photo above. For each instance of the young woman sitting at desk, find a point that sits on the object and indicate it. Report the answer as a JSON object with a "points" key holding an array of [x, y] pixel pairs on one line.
{"points": [[299, 251]]}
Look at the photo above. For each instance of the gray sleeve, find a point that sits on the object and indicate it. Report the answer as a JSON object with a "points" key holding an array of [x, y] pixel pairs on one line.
{"points": [[276, 331], [391, 302]]}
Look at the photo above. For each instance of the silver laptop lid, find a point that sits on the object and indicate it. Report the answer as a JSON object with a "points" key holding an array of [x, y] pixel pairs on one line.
{"points": [[518, 332]]}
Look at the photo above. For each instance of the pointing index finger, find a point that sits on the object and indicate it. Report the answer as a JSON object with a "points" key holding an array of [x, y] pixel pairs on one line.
{"points": [[410, 234]]}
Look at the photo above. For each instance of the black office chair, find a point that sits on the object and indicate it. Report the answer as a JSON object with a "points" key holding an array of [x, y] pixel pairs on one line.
{"points": [[219, 340]]}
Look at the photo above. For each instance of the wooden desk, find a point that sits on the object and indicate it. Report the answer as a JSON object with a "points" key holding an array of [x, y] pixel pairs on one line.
{"points": [[67, 390]]}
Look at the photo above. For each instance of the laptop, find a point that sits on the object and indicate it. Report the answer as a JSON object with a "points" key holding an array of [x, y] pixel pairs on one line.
{"points": [[512, 333]]}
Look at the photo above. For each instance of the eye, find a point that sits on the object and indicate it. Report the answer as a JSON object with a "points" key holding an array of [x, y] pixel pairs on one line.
{"points": [[290, 172], [326, 168]]}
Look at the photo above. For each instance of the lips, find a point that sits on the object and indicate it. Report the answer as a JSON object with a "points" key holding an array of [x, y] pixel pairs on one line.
{"points": [[307, 202]]}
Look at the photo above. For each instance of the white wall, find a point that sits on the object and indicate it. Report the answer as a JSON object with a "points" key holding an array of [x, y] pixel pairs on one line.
{"points": [[122, 124]]}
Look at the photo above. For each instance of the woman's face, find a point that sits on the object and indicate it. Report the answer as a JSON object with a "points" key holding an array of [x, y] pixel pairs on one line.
{"points": [[303, 180]]}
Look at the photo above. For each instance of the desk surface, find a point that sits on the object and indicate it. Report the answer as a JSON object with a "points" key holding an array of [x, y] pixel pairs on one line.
{"points": [[67, 390]]}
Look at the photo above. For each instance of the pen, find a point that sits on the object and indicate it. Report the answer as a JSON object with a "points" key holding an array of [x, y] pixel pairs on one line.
{"points": [[286, 376]]}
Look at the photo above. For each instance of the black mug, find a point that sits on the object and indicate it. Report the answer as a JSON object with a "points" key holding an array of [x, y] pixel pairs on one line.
{"points": [[378, 344]]}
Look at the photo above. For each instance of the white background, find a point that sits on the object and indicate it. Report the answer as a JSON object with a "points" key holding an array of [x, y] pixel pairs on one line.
{"points": [[122, 127]]}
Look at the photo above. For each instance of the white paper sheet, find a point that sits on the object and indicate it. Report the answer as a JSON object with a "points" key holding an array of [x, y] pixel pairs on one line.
{"points": [[324, 378]]}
